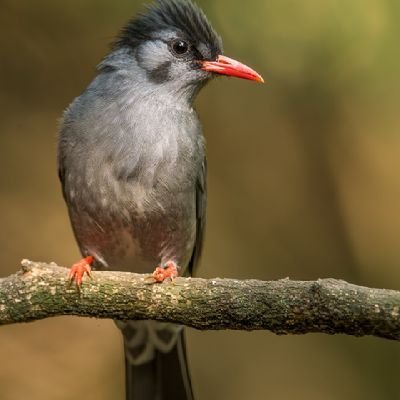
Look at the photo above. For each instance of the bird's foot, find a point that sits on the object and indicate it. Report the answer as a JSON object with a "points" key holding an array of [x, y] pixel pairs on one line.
{"points": [[79, 269], [168, 270]]}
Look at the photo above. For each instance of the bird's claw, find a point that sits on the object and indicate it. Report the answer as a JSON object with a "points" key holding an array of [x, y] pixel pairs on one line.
{"points": [[168, 270], [79, 269]]}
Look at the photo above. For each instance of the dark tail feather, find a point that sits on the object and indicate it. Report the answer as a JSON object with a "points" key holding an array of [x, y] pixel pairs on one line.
{"points": [[166, 377]]}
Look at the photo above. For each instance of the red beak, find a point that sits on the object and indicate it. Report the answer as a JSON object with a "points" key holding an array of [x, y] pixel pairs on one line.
{"points": [[228, 66]]}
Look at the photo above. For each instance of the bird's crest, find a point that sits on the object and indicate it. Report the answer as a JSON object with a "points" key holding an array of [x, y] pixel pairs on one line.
{"points": [[182, 15]]}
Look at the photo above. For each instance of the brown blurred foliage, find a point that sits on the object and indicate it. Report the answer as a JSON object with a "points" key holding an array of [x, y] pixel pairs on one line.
{"points": [[304, 181]]}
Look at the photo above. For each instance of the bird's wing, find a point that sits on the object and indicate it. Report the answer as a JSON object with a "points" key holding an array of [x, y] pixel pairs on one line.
{"points": [[61, 175], [201, 204]]}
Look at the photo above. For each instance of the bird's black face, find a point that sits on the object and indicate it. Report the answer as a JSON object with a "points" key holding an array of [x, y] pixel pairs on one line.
{"points": [[176, 46], [172, 56]]}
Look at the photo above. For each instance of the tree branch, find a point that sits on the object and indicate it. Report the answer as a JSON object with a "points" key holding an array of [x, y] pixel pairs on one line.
{"points": [[331, 306]]}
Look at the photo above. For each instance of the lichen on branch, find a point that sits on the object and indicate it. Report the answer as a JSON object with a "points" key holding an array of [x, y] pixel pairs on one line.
{"points": [[41, 290]]}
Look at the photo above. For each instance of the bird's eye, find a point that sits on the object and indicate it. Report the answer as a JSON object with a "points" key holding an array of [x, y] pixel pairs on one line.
{"points": [[179, 47]]}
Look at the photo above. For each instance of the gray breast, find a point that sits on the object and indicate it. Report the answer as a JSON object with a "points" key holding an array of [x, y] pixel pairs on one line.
{"points": [[130, 171]]}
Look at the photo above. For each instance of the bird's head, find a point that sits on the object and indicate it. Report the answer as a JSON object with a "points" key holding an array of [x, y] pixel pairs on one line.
{"points": [[174, 44]]}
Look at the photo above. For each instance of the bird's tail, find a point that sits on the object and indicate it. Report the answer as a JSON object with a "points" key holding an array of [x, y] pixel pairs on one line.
{"points": [[155, 361]]}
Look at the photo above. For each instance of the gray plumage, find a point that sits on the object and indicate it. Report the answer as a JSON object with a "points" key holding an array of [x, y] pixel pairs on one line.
{"points": [[133, 171], [131, 155]]}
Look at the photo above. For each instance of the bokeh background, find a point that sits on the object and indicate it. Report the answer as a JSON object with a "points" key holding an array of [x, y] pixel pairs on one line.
{"points": [[304, 181]]}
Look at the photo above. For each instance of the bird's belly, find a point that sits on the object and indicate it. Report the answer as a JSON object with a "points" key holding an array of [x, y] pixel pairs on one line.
{"points": [[134, 240]]}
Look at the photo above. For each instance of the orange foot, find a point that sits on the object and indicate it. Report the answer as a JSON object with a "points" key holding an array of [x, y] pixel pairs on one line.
{"points": [[168, 270], [79, 269]]}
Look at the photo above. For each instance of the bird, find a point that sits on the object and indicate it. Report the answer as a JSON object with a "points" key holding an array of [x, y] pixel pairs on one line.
{"points": [[132, 166]]}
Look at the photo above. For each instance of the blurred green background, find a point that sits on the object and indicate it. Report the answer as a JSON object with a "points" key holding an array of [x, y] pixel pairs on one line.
{"points": [[304, 181]]}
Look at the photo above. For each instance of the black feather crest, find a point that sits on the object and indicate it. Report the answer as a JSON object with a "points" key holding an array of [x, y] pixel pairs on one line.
{"points": [[182, 15]]}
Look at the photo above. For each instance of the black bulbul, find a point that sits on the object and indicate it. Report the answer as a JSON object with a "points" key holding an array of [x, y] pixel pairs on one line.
{"points": [[132, 165]]}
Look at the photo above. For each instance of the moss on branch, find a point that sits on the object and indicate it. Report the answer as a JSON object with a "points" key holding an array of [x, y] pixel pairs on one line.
{"points": [[330, 306]]}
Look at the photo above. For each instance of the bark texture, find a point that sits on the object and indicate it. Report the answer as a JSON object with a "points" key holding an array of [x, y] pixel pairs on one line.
{"points": [[330, 306]]}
